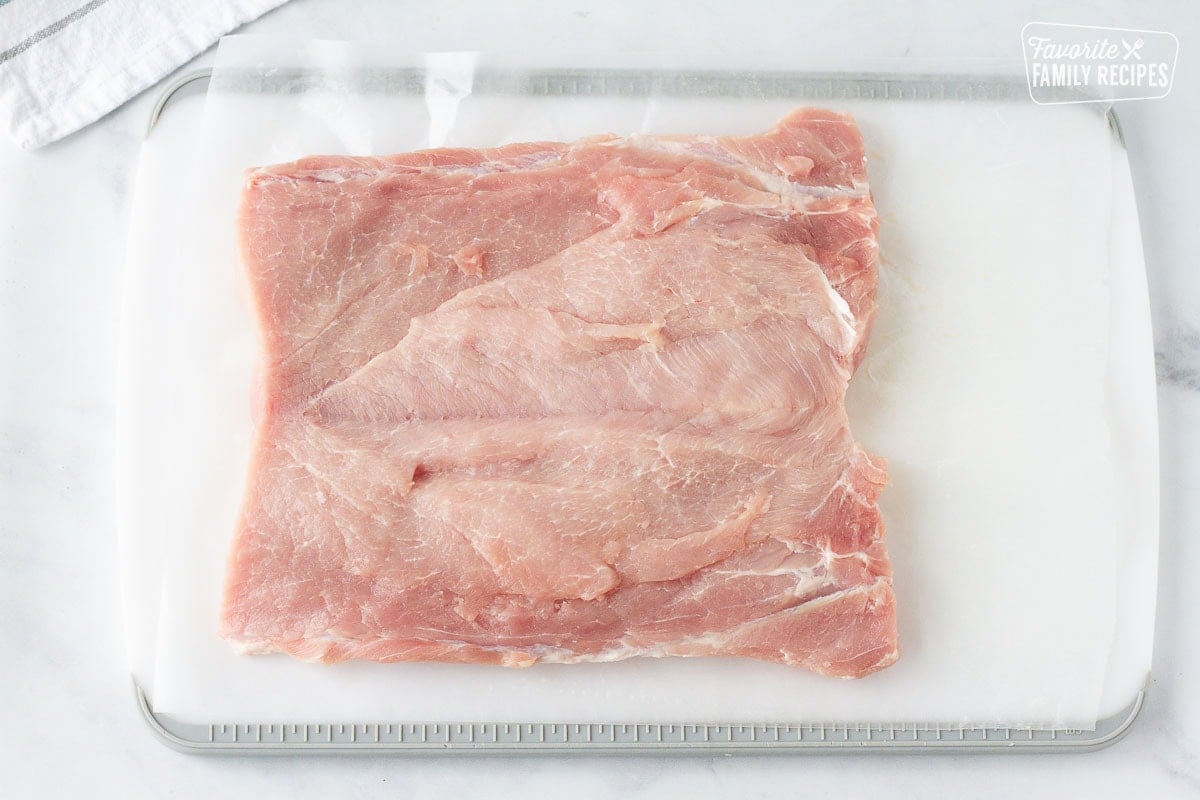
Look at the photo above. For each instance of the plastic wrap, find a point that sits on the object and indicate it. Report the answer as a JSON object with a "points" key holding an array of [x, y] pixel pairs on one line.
{"points": [[988, 384]]}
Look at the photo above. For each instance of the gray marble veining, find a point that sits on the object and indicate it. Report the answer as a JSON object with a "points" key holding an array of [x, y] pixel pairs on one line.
{"points": [[1177, 356]]}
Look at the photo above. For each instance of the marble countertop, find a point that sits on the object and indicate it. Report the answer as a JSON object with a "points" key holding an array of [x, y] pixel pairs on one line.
{"points": [[71, 726]]}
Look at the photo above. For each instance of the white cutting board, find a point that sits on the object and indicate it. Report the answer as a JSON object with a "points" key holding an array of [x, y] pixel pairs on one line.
{"points": [[1009, 381]]}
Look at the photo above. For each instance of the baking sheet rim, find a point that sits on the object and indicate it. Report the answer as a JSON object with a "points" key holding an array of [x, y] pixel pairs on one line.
{"points": [[592, 738]]}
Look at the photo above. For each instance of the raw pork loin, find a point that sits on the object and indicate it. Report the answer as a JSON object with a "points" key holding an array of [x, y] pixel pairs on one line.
{"points": [[565, 402]]}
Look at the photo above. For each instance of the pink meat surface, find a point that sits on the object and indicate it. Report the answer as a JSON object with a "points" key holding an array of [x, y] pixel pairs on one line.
{"points": [[565, 402]]}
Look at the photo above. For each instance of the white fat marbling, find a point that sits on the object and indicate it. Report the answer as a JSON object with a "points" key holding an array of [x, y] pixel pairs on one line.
{"points": [[70, 726]]}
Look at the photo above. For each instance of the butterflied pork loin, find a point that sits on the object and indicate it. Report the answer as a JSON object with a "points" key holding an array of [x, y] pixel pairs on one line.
{"points": [[565, 402]]}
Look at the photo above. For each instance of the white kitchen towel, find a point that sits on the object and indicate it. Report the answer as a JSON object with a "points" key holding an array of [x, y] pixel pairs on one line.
{"points": [[66, 63]]}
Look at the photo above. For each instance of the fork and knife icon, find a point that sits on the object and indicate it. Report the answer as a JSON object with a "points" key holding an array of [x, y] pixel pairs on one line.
{"points": [[1132, 49]]}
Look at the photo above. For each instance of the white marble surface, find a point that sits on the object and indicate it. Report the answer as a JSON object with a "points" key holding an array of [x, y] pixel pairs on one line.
{"points": [[69, 725]]}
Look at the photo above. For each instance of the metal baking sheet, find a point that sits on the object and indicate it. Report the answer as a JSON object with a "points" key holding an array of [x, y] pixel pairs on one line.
{"points": [[516, 736]]}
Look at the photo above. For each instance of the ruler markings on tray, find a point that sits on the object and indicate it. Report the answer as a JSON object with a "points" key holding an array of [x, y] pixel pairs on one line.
{"points": [[483, 736], [633, 83], [637, 83]]}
